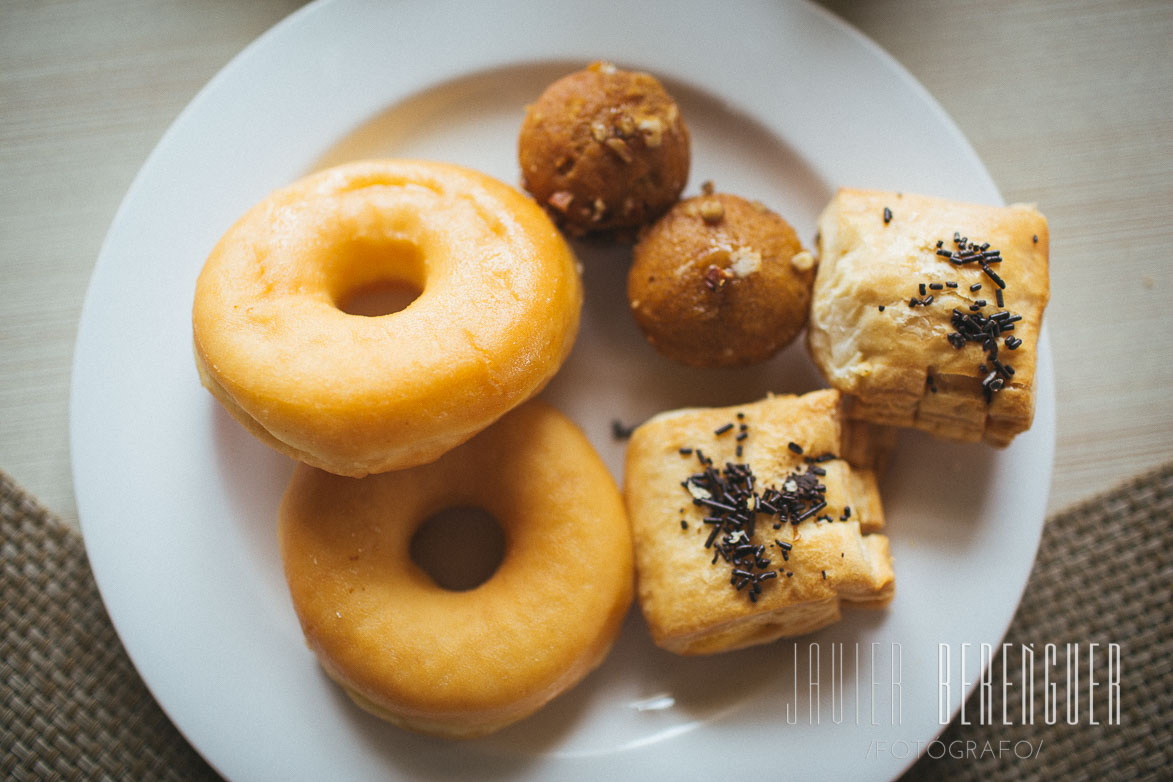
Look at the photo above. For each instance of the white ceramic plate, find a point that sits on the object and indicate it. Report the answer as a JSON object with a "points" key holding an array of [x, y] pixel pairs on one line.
{"points": [[177, 503]]}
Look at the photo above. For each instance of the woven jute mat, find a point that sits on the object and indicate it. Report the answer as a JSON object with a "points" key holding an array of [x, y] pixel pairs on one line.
{"points": [[73, 706]]}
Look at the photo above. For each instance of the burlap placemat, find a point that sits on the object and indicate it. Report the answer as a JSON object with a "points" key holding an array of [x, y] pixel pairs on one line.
{"points": [[74, 707]]}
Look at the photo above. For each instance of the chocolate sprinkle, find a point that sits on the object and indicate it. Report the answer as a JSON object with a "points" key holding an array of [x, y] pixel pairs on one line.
{"points": [[887, 215], [734, 503], [621, 431], [990, 273], [975, 326]]}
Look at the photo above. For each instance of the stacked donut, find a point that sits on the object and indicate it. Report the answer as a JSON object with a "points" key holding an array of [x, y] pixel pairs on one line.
{"points": [[397, 416]]}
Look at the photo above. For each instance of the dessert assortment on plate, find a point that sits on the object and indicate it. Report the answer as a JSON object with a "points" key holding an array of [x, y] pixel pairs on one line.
{"points": [[735, 525]]}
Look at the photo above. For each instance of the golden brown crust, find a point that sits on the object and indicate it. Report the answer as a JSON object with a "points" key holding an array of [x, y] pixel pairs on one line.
{"points": [[462, 664], [604, 149], [890, 360], [350, 394], [720, 281], [689, 603]]}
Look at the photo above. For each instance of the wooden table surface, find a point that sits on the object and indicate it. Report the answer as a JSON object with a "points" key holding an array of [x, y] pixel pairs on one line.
{"points": [[1069, 104]]}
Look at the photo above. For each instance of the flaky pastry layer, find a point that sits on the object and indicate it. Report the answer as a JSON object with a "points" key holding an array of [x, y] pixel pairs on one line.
{"points": [[687, 590], [894, 268]]}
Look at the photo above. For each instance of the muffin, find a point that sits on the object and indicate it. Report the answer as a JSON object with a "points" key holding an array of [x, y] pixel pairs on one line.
{"points": [[604, 150], [720, 281]]}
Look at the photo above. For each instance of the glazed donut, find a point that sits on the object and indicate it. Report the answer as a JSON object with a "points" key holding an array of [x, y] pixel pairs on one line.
{"points": [[463, 664], [497, 313]]}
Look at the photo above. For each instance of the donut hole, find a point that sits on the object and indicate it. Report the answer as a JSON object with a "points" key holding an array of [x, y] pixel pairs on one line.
{"points": [[459, 548], [383, 297], [379, 276]]}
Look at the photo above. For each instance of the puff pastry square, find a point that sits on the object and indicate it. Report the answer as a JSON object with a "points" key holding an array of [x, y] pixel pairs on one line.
{"points": [[950, 358], [708, 580]]}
